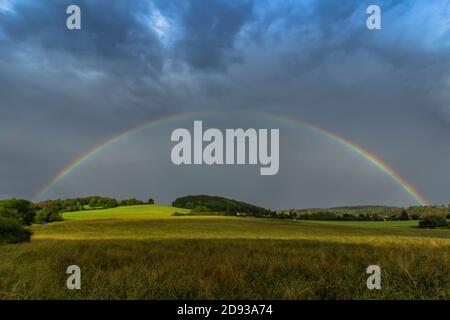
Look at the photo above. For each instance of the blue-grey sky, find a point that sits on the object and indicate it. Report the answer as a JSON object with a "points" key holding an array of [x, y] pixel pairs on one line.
{"points": [[62, 92]]}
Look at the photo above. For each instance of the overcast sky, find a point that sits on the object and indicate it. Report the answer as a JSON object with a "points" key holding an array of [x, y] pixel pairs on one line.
{"points": [[62, 92]]}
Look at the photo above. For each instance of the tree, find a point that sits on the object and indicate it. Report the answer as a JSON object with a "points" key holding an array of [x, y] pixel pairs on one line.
{"points": [[12, 232], [404, 216], [47, 215], [93, 203], [431, 222], [131, 202], [21, 210], [111, 203], [151, 201]]}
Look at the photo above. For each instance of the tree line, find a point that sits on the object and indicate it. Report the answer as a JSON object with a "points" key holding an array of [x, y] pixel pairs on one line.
{"points": [[366, 213], [17, 214], [87, 203], [428, 216]]}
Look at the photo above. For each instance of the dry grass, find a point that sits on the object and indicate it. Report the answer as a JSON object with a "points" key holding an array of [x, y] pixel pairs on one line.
{"points": [[226, 258]]}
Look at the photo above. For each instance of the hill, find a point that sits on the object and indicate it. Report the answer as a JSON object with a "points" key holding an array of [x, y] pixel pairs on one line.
{"points": [[220, 204], [148, 211]]}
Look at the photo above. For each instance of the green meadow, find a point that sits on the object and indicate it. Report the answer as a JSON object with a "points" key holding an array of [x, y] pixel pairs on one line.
{"points": [[144, 252]]}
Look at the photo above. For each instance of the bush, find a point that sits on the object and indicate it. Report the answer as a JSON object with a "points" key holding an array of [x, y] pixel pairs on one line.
{"points": [[377, 217], [323, 215], [12, 232], [131, 202], [404, 216], [415, 216], [199, 209], [21, 210], [47, 215], [347, 217], [431, 222]]}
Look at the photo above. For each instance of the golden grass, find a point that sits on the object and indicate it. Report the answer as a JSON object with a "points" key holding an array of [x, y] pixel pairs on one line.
{"points": [[152, 255]]}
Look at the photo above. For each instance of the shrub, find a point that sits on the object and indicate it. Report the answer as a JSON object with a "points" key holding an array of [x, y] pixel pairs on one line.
{"points": [[415, 216], [304, 216], [131, 202], [199, 209], [348, 217], [404, 216], [431, 222], [377, 217], [12, 232], [47, 215], [323, 215], [21, 210]]}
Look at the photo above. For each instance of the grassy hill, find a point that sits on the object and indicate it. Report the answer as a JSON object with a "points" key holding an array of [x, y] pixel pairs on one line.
{"points": [[220, 204], [143, 252], [152, 211]]}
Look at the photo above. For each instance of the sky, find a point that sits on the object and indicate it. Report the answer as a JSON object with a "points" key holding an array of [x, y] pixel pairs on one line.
{"points": [[229, 64]]}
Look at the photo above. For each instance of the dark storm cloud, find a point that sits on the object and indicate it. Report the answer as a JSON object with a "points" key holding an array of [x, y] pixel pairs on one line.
{"points": [[64, 91], [209, 33], [117, 35], [114, 37]]}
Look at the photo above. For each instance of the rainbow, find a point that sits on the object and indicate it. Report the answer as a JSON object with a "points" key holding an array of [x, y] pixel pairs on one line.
{"points": [[97, 148], [372, 159]]}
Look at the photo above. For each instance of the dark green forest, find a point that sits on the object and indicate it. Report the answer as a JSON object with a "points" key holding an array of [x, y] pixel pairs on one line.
{"points": [[220, 204]]}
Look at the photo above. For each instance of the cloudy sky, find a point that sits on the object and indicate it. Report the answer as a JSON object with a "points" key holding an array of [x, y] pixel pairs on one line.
{"points": [[62, 92]]}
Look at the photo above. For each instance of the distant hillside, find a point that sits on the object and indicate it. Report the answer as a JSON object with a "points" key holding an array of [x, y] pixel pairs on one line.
{"points": [[364, 213], [360, 207], [220, 204], [353, 210]]}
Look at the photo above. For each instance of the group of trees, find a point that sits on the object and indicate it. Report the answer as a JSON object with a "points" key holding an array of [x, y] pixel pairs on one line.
{"points": [[434, 222], [428, 215], [25, 212], [88, 203], [15, 215], [11, 231], [202, 203]]}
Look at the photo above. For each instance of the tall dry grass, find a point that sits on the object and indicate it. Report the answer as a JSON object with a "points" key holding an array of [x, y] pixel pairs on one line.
{"points": [[223, 269]]}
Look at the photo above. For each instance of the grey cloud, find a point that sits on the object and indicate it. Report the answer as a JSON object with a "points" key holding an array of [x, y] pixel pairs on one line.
{"points": [[63, 92], [209, 33], [113, 37]]}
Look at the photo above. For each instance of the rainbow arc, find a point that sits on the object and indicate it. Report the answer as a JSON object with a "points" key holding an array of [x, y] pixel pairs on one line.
{"points": [[358, 150]]}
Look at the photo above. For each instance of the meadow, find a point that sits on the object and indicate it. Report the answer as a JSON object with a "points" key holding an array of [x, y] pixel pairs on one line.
{"points": [[144, 252]]}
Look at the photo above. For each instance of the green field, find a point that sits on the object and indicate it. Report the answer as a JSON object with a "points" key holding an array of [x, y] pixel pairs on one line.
{"points": [[143, 252]]}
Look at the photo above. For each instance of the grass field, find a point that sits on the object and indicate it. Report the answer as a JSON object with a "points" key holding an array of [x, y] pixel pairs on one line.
{"points": [[143, 252]]}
